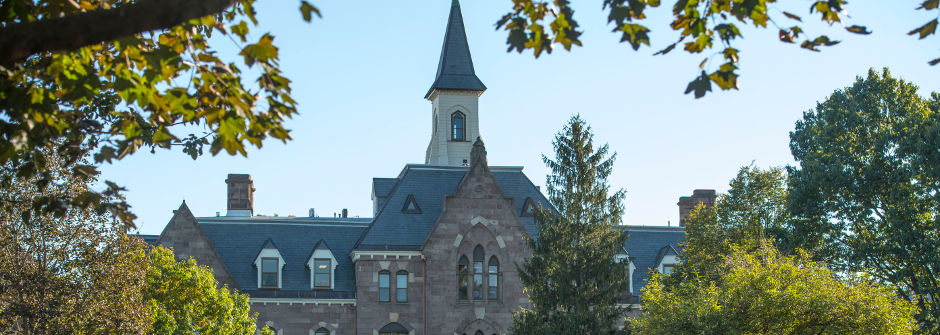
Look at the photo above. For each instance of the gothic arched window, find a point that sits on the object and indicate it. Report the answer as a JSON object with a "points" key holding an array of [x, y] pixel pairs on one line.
{"points": [[322, 331], [493, 288], [463, 279], [393, 329], [458, 125], [478, 273]]}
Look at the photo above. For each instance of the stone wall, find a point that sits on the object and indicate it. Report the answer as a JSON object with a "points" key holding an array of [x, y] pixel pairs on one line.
{"points": [[183, 234], [373, 314], [299, 318]]}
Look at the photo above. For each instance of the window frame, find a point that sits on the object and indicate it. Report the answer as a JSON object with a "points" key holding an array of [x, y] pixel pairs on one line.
{"points": [[329, 273], [387, 288], [463, 278], [478, 285], [321, 331], [493, 276], [277, 273], [398, 287], [453, 126]]}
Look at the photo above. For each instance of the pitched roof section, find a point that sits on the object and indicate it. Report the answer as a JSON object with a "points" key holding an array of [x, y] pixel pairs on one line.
{"points": [[455, 68], [394, 230], [646, 246], [236, 241]]}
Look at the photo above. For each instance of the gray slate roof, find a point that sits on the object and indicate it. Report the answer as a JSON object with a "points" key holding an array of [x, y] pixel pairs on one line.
{"points": [[646, 246], [238, 243], [394, 230], [455, 68]]}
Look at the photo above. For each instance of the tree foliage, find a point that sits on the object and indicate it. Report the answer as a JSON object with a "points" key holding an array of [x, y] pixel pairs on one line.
{"points": [[78, 273], [733, 280], [113, 77], [702, 26], [184, 298], [772, 294], [869, 175], [572, 279]]}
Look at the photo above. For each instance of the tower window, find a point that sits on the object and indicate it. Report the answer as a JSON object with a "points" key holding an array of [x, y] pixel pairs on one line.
{"points": [[458, 126]]}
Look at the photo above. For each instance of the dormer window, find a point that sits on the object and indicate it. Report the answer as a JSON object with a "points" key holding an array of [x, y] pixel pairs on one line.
{"points": [[322, 267], [528, 208], [458, 125], [270, 266], [321, 273], [269, 272]]}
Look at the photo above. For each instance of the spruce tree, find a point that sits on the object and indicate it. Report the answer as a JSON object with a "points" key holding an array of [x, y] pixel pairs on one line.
{"points": [[572, 279]]}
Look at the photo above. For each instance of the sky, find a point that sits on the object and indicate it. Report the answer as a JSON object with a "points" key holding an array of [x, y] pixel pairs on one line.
{"points": [[361, 71]]}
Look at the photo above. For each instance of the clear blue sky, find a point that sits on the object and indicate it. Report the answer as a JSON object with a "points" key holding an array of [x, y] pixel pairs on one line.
{"points": [[360, 74]]}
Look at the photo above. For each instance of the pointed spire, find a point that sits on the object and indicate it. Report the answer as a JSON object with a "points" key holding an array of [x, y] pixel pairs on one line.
{"points": [[455, 68]]}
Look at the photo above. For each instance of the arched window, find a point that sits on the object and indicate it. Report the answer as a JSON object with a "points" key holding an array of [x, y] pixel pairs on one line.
{"points": [[493, 288], [478, 273], [457, 126], [463, 279], [393, 329], [384, 295], [322, 331], [479, 332], [401, 286]]}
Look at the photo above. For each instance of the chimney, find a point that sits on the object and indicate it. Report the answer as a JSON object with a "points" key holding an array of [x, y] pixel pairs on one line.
{"points": [[345, 213], [240, 200], [687, 204]]}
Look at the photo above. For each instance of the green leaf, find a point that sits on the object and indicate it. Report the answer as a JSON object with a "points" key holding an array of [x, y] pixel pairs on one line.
{"points": [[306, 9], [925, 30], [862, 30], [725, 77], [700, 85], [665, 50], [929, 4], [792, 16], [934, 62], [635, 34]]}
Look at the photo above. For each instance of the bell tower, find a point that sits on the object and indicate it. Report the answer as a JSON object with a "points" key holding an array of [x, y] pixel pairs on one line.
{"points": [[454, 97]]}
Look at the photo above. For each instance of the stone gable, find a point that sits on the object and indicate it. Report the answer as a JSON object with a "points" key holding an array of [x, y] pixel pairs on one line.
{"points": [[183, 234]]}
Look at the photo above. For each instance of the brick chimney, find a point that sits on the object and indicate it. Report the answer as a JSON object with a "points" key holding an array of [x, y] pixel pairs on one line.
{"points": [[687, 204], [240, 200]]}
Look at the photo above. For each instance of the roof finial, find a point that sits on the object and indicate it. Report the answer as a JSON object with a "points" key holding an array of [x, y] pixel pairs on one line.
{"points": [[478, 153]]}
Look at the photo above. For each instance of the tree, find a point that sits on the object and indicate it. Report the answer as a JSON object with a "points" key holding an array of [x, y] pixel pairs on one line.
{"points": [[184, 298], [772, 294], [113, 77], [869, 173], [538, 25], [733, 280], [78, 273], [573, 280]]}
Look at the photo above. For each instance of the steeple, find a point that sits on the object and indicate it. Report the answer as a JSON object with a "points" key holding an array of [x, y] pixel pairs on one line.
{"points": [[455, 68], [454, 97]]}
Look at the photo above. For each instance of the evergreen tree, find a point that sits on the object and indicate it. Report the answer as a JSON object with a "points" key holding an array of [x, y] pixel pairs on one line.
{"points": [[573, 280]]}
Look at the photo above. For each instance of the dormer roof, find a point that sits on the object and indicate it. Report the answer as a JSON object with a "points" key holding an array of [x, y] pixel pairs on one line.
{"points": [[455, 68]]}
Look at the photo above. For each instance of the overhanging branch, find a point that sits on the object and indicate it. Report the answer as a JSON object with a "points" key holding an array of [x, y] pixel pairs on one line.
{"points": [[18, 41]]}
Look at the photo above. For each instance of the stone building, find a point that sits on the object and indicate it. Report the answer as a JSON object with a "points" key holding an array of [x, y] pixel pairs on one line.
{"points": [[438, 256]]}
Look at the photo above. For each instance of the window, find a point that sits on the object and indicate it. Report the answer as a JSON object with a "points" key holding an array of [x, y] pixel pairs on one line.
{"points": [[463, 280], [321, 275], [493, 288], [478, 273], [393, 329], [528, 208], [411, 206], [383, 286], [667, 268], [401, 286], [457, 123], [479, 332], [269, 268], [322, 331]]}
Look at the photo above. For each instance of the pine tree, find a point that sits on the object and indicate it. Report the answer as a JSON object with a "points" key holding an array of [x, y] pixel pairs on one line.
{"points": [[573, 280]]}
